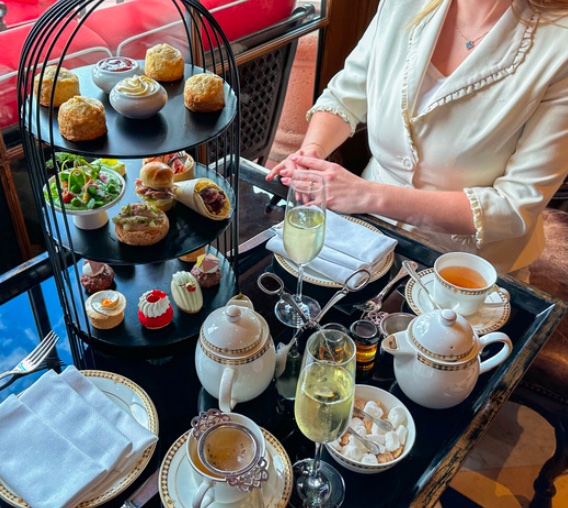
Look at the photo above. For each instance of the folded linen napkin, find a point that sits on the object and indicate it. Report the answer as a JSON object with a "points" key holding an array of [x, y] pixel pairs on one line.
{"points": [[39, 464], [348, 246]]}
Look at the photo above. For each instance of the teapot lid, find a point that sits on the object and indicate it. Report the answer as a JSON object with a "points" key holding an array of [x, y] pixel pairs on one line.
{"points": [[232, 330], [443, 334]]}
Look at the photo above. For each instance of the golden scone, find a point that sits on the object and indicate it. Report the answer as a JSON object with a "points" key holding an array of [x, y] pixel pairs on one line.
{"points": [[204, 93], [82, 119], [164, 63], [67, 86]]}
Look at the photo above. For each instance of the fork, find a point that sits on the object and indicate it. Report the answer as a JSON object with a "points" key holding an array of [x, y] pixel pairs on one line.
{"points": [[33, 361]]}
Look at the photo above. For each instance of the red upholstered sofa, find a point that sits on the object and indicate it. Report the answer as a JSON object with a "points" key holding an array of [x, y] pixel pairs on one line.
{"points": [[127, 28]]}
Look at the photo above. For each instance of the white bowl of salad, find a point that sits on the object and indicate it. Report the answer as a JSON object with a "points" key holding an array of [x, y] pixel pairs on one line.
{"points": [[85, 191]]}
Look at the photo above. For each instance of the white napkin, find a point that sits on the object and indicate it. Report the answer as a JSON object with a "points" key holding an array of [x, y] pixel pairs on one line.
{"points": [[348, 246], [39, 464]]}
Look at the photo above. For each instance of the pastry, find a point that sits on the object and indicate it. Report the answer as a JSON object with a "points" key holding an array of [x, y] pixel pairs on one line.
{"points": [[67, 86], [155, 185], [155, 310], [105, 309], [204, 93], [191, 257], [182, 164], [186, 292], [206, 271], [96, 276], [141, 224], [164, 63], [82, 119], [205, 197]]}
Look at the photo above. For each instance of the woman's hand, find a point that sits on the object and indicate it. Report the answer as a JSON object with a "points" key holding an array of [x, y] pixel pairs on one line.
{"points": [[288, 166]]}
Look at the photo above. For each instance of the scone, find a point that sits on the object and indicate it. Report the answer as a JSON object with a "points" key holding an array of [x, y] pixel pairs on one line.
{"points": [[204, 93], [155, 310], [186, 292], [82, 119], [105, 309], [164, 63], [67, 86]]}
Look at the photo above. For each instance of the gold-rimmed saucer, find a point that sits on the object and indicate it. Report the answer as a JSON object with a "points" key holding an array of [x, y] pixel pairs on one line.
{"points": [[487, 319], [177, 483]]}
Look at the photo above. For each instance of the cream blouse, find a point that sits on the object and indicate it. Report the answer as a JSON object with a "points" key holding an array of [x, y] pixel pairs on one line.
{"points": [[496, 128]]}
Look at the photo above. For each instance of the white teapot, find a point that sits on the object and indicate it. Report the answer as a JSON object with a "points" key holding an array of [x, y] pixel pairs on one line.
{"points": [[235, 358], [436, 360]]}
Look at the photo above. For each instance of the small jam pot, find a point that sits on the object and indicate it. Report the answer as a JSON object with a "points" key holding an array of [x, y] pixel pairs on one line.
{"points": [[138, 97], [109, 71]]}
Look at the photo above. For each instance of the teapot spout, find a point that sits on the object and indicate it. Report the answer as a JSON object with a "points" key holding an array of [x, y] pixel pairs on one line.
{"points": [[281, 356], [396, 345]]}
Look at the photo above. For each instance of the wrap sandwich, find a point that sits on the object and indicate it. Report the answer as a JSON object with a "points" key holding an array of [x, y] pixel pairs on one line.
{"points": [[205, 197]]}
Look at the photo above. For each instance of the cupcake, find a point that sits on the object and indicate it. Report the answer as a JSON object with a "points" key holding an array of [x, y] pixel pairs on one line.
{"points": [[206, 271], [96, 276], [154, 309], [186, 292], [105, 309]]}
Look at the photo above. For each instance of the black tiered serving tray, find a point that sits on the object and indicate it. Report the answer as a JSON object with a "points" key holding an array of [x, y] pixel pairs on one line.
{"points": [[173, 127]]}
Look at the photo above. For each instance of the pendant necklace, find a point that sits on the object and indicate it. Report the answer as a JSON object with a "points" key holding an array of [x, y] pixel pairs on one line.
{"points": [[469, 43]]}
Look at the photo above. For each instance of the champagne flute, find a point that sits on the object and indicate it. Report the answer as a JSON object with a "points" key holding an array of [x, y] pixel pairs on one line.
{"points": [[323, 408], [303, 237]]}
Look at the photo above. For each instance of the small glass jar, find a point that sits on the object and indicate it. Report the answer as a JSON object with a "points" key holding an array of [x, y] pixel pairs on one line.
{"points": [[365, 333]]}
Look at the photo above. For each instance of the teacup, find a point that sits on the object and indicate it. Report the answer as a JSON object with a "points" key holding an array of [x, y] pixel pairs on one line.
{"points": [[226, 453], [463, 281]]}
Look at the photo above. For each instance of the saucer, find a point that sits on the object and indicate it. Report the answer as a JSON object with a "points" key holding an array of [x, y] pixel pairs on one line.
{"points": [[487, 319], [177, 483], [318, 279]]}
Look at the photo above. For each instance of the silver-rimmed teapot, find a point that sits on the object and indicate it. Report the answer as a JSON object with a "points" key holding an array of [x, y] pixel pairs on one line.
{"points": [[235, 357], [436, 359]]}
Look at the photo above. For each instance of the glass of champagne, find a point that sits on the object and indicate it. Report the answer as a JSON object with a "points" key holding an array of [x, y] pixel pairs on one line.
{"points": [[303, 237], [323, 408]]}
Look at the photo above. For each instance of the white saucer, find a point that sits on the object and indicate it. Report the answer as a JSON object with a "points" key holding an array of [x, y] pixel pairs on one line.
{"points": [[487, 319], [177, 483], [132, 399]]}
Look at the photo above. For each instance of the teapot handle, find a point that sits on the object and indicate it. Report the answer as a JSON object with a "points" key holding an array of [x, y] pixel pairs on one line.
{"points": [[501, 356], [226, 403]]}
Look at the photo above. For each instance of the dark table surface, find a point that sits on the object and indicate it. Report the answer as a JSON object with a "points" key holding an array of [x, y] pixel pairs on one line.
{"points": [[444, 437]]}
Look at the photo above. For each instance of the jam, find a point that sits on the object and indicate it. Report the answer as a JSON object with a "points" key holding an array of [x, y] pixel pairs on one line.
{"points": [[117, 64]]}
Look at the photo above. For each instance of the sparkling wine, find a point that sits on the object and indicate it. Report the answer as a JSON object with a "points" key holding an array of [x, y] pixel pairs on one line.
{"points": [[304, 233]]}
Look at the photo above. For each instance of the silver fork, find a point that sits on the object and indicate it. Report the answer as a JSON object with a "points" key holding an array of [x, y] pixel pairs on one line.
{"points": [[34, 360]]}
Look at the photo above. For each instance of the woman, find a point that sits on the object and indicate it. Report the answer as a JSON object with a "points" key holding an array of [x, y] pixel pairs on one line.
{"points": [[466, 106]]}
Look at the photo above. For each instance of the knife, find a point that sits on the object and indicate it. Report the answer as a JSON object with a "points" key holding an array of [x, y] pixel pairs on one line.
{"points": [[144, 493]]}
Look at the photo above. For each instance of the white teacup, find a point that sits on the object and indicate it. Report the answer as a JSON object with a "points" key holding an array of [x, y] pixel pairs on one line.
{"points": [[223, 457], [463, 281]]}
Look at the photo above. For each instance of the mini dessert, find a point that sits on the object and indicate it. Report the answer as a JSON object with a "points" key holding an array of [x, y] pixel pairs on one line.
{"points": [[205, 197], [109, 71], [181, 163], [204, 93], [138, 97], [96, 276], [186, 292], [155, 310], [67, 86], [164, 63], [192, 256], [82, 119], [105, 309], [206, 271], [155, 185], [141, 224]]}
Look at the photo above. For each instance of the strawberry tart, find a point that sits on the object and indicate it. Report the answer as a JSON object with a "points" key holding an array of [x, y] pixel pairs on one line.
{"points": [[155, 310]]}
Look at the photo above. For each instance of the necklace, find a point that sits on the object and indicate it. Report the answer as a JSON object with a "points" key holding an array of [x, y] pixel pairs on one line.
{"points": [[470, 43]]}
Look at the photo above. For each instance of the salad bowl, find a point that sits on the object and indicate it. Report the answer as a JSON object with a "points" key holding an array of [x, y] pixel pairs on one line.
{"points": [[86, 192]]}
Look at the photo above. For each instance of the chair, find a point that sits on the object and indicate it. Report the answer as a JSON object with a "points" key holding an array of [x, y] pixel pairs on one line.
{"points": [[544, 388]]}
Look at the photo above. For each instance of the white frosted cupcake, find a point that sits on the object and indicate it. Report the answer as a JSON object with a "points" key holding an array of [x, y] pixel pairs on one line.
{"points": [[186, 292], [106, 309]]}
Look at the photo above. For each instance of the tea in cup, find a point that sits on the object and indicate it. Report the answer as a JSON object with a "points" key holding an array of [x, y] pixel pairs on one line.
{"points": [[226, 452], [463, 281]]}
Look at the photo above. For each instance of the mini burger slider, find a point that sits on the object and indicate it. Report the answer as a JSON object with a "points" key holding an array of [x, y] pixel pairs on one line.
{"points": [[141, 224], [205, 197], [181, 163], [155, 185]]}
